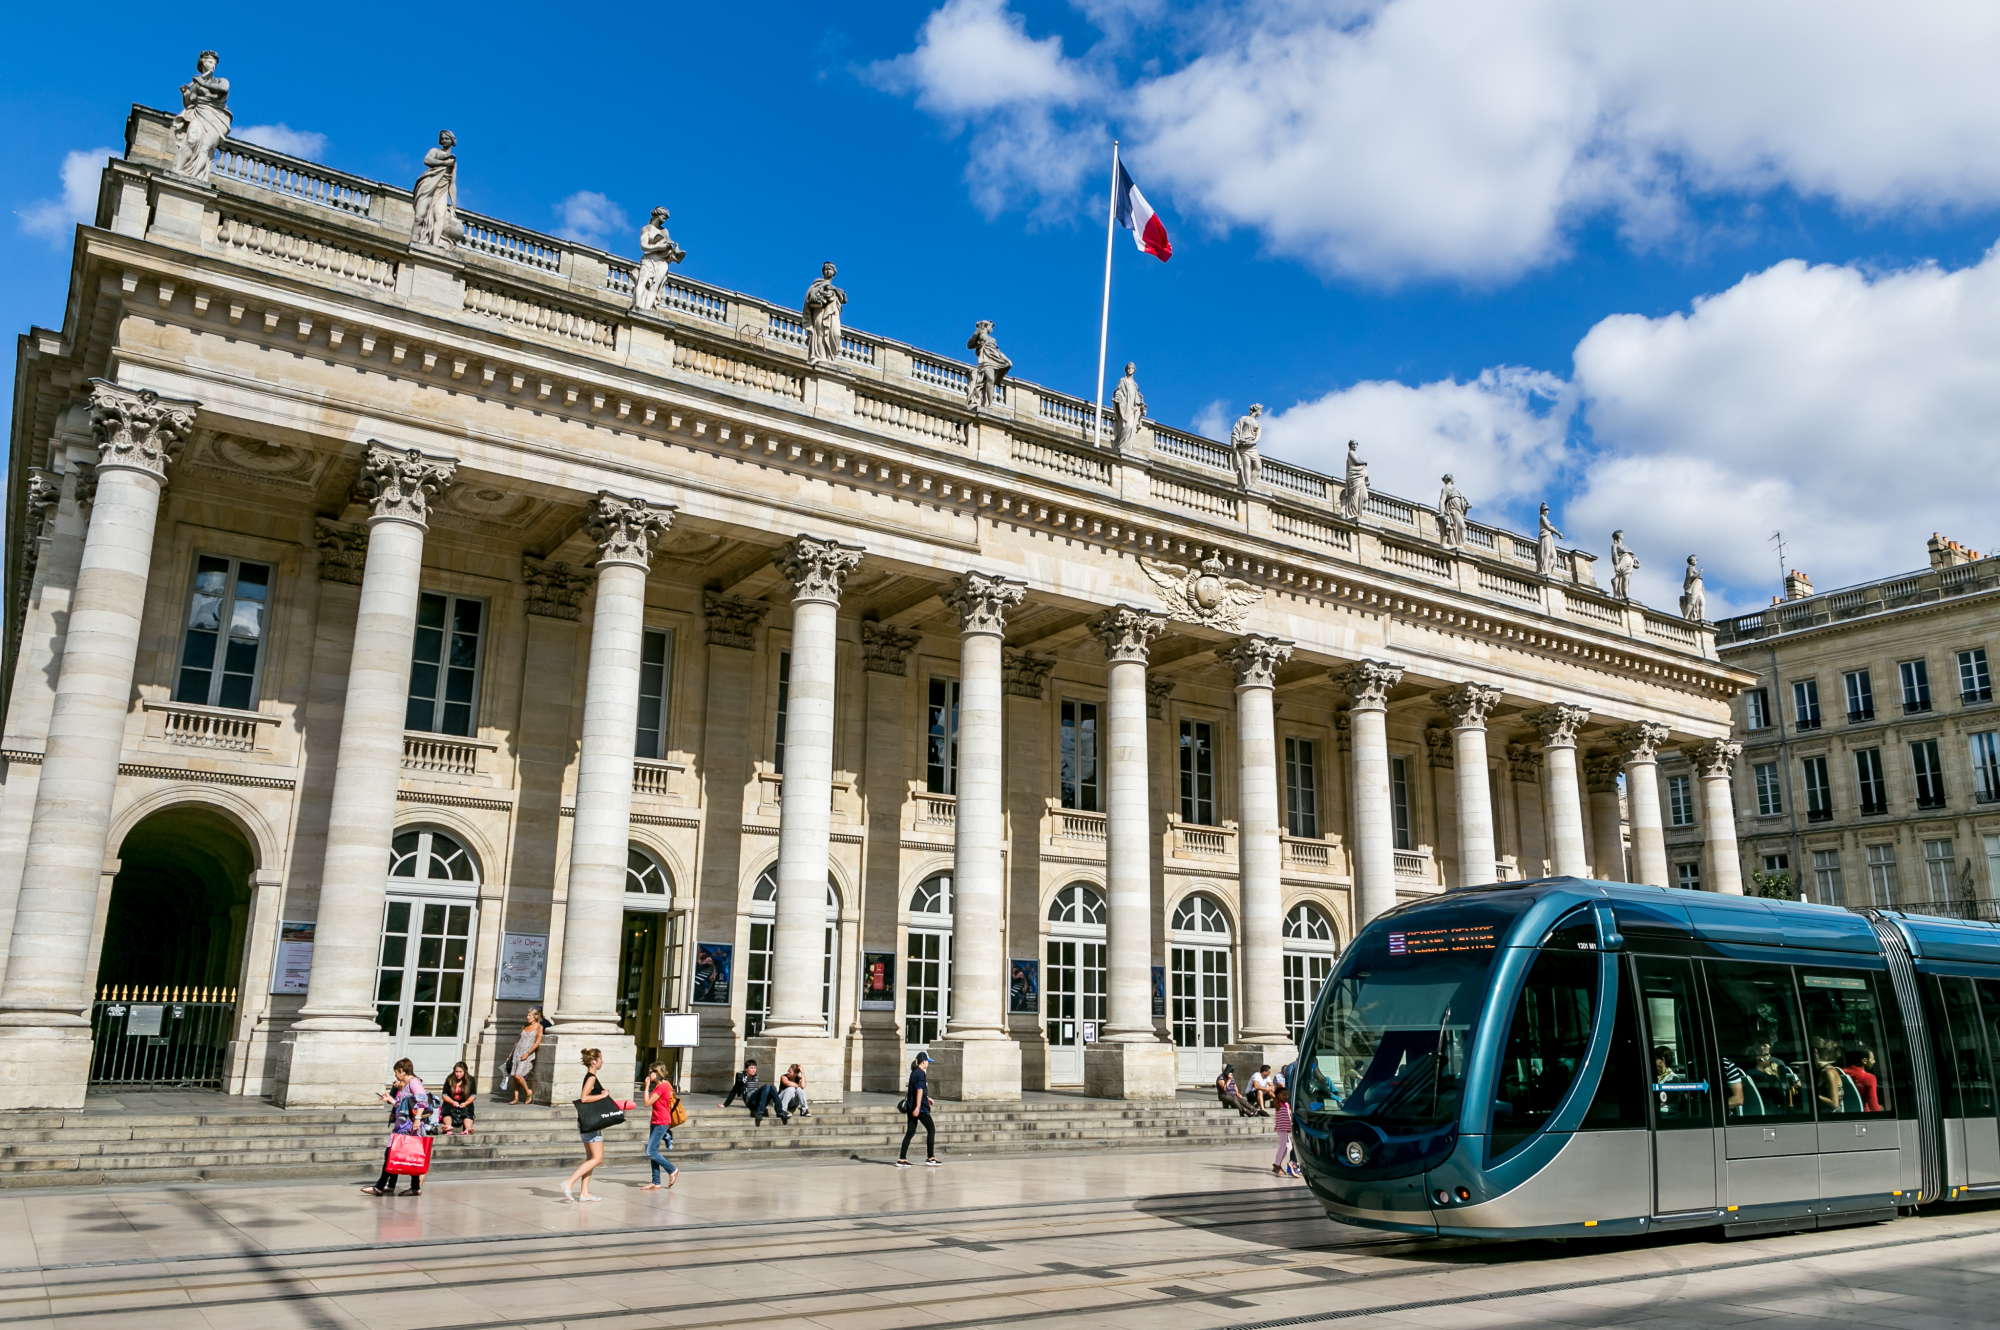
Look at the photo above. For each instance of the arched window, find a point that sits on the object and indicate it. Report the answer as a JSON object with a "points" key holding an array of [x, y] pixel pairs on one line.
{"points": [[1075, 983], [648, 886], [1308, 923], [757, 974], [431, 856], [1311, 949], [1198, 964], [932, 896], [1077, 903], [1200, 914], [927, 962]]}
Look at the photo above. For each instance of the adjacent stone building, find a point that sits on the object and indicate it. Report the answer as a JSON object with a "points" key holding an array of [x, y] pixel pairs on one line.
{"points": [[1871, 741], [415, 619]]}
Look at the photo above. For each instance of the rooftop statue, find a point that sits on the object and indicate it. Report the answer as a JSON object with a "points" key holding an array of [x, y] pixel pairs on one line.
{"points": [[204, 119], [1545, 545], [1128, 411], [1694, 600], [1243, 439], [1452, 508], [990, 366], [823, 302], [436, 196], [1624, 563], [657, 255], [1354, 492]]}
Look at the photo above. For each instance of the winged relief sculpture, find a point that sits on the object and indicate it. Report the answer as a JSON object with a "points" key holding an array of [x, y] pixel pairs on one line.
{"points": [[1204, 594]]}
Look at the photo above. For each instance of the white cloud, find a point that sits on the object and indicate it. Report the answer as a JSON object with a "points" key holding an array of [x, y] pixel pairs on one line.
{"points": [[590, 218], [307, 143], [1394, 139], [54, 218]]}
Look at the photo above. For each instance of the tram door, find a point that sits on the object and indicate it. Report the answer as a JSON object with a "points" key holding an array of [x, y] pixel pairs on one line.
{"points": [[1680, 1086]]}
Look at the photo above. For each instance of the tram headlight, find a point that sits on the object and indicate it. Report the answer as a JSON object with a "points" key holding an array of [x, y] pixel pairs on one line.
{"points": [[1355, 1153], [1442, 1196]]}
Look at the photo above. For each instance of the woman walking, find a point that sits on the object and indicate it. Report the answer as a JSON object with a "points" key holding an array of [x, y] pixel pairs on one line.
{"points": [[1281, 1123], [593, 1141], [521, 1063], [660, 1098], [459, 1097], [407, 1102], [919, 1104]]}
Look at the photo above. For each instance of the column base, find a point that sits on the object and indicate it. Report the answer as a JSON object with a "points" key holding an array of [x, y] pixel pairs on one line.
{"points": [[822, 1059], [330, 1068], [559, 1066], [975, 1069], [1248, 1056], [1144, 1070], [44, 1066]]}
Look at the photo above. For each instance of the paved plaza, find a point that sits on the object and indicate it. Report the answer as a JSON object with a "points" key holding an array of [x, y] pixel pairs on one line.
{"points": [[1154, 1240]]}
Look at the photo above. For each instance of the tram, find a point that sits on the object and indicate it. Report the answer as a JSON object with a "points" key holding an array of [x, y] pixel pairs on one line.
{"points": [[1568, 1058]]}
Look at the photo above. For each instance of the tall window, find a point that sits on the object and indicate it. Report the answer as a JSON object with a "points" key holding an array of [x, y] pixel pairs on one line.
{"points": [[1868, 775], [1916, 686], [1827, 888], [1974, 683], [1080, 787], [1310, 952], [225, 633], [1399, 803], [1770, 799], [941, 738], [1301, 789], [1805, 704], [653, 654], [927, 961], [1937, 869], [1985, 747], [1688, 875], [1860, 695], [1680, 801], [1757, 709], [1929, 772], [784, 705], [444, 664], [1819, 794], [1882, 874], [1198, 773]]}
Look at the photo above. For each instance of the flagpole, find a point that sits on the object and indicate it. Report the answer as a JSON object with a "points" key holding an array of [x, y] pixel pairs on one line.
{"points": [[1104, 322]]}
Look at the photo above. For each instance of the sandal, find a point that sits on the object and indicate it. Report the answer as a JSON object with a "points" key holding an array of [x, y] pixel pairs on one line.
{"points": [[373, 1191], [649, 1186]]}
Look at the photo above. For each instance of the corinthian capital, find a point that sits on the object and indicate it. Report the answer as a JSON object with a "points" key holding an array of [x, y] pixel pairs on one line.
{"points": [[731, 620], [1127, 633], [982, 600], [44, 492], [817, 569], [399, 483], [1559, 723], [1470, 704], [138, 430], [1715, 759], [625, 529], [1024, 673], [885, 648], [1641, 742], [1256, 659], [1368, 683], [1600, 773]]}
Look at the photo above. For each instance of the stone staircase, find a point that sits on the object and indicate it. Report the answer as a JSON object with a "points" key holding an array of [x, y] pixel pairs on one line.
{"points": [[96, 1147]]}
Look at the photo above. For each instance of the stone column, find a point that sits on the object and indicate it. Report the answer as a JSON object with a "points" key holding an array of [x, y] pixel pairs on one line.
{"points": [[976, 1059], [335, 1052], [796, 1032], [1469, 705], [1368, 683], [585, 1014], [1130, 1060], [1600, 772], [1563, 796], [1261, 1035], [45, 1001], [1641, 747], [1715, 763]]}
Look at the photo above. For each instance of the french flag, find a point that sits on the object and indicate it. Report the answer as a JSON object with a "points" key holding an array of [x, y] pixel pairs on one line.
{"points": [[1137, 216]]}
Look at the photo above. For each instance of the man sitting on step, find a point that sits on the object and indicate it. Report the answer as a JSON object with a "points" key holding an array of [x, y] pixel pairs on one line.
{"points": [[756, 1097]]}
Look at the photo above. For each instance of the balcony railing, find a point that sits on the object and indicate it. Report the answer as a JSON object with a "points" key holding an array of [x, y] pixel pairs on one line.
{"points": [[218, 729], [936, 812], [1857, 717], [1916, 708], [653, 777], [1819, 815], [1413, 864], [1808, 722], [443, 754], [1077, 826], [1316, 855], [1976, 695], [1874, 810], [1203, 842]]}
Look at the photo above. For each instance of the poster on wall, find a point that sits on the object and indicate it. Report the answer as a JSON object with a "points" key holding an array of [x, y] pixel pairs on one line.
{"points": [[1159, 990], [878, 981], [524, 966], [1024, 989], [292, 970], [711, 972]]}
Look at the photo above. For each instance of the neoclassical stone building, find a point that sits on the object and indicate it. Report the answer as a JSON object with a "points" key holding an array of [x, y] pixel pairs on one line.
{"points": [[413, 619]]}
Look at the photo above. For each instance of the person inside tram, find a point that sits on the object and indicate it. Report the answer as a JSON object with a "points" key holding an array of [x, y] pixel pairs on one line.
{"points": [[1663, 1064], [1838, 1092], [1859, 1065], [1740, 1098], [1772, 1076]]}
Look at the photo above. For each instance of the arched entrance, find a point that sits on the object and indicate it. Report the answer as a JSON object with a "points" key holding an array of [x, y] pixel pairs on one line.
{"points": [[172, 961], [927, 964], [649, 958], [422, 979], [1198, 945], [1074, 982]]}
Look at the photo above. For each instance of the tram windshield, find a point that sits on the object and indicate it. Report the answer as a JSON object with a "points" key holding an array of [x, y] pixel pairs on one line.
{"points": [[1395, 1031]]}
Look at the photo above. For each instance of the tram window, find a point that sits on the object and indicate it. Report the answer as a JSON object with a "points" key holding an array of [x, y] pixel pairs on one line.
{"points": [[1620, 1103], [1546, 1044], [1844, 1017], [1575, 931], [1679, 1075], [1967, 1072], [1989, 1009], [1765, 1074]]}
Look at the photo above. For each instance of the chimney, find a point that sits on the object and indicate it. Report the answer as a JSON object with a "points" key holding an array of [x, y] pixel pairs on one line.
{"points": [[1948, 553], [1797, 585]]}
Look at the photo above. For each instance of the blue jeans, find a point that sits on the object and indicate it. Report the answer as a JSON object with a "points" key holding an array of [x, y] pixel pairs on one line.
{"points": [[657, 1144]]}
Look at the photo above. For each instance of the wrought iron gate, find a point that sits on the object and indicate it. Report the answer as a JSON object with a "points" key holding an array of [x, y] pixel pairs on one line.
{"points": [[166, 1037]]}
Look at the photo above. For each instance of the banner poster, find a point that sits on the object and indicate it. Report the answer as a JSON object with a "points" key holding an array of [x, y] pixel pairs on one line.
{"points": [[878, 981], [524, 967], [1159, 990], [711, 972], [292, 969], [1024, 989]]}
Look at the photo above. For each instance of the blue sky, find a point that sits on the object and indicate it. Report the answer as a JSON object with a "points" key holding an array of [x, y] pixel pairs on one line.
{"points": [[1697, 275]]}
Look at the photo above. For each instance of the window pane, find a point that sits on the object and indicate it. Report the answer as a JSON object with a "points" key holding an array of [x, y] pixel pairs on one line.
{"points": [[1545, 1045], [1967, 1073], [1850, 1072], [1680, 1080], [1757, 1031], [1620, 1102]]}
